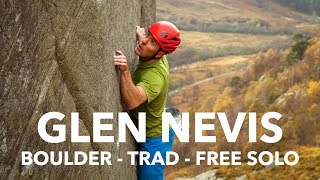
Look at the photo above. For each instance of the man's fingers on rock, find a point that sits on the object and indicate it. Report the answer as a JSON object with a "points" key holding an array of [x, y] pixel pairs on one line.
{"points": [[120, 57], [120, 63], [120, 52], [120, 60]]}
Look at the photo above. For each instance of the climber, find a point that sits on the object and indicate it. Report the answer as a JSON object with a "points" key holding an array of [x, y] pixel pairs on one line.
{"points": [[146, 91]]}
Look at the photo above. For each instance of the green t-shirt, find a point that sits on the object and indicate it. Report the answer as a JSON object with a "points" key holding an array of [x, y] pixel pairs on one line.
{"points": [[154, 79]]}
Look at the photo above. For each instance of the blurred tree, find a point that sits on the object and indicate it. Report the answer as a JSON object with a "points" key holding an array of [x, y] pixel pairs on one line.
{"points": [[224, 101], [314, 89], [299, 45], [235, 81]]}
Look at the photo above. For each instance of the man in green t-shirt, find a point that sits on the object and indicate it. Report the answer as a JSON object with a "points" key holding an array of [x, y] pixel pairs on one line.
{"points": [[146, 91]]}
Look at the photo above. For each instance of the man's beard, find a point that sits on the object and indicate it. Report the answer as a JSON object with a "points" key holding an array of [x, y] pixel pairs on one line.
{"points": [[145, 59]]}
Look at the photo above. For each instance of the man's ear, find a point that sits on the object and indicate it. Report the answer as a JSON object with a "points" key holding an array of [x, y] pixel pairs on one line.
{"points": [[160, 54]]}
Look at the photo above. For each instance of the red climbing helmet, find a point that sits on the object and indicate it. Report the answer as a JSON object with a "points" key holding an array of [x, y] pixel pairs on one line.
{"points": [[166, 34]]}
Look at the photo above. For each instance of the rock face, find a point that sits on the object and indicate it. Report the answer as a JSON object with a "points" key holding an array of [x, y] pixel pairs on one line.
{"points": [[56, 55]]}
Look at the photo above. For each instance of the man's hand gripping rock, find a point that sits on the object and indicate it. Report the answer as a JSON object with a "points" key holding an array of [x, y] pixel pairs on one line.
{"points": [[120, 61]]}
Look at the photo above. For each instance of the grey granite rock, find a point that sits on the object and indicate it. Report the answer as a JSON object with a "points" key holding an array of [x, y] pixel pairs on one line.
{"points": [[57, 56]]}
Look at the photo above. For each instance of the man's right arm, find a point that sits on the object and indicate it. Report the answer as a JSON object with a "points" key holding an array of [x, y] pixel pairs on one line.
{"points": [[132, 95]]}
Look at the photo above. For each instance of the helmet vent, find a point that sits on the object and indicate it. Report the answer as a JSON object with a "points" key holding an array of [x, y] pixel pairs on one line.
{"points": [[164, 34]]}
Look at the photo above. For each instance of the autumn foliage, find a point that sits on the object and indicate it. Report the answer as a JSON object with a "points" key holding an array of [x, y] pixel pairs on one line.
{"points": [[270, 84], [294, 91]]}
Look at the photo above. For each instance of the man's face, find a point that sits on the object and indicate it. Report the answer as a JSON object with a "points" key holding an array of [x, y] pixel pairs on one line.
{"points": [[147, 47]]}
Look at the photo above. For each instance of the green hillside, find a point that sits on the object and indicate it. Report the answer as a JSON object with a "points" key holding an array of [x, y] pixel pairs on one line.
{"points": [[199, 46], [241, 16], [217, 28], [303, 5]]}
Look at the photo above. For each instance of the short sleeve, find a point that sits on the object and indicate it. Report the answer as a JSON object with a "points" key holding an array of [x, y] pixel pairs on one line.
{"points": [[152, 83]]}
